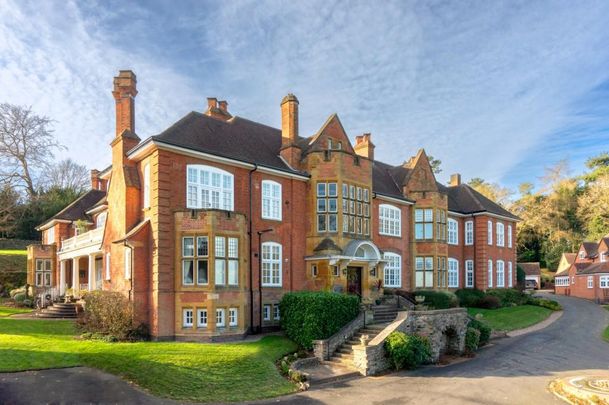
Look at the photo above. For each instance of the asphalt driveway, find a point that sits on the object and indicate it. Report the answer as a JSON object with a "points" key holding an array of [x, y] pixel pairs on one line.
{"points": [[511, 371]]}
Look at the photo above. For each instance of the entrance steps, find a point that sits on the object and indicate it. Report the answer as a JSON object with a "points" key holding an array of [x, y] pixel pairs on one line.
{"points": [[385, 313], [343, 356], [60, 310]]}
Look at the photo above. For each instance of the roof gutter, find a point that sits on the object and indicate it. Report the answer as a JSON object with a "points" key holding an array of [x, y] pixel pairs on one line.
{"points": [[137, 152]]}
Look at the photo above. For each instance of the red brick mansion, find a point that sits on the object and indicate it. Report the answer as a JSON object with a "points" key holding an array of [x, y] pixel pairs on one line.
{"points": [[206, 225]]}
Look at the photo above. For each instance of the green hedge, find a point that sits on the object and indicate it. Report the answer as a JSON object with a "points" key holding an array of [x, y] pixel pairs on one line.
{"points": [[472, 339], [545, 303], [439, 299], [485, 331], [469, 297], [508, 296], [406, 350], [308, 316]]}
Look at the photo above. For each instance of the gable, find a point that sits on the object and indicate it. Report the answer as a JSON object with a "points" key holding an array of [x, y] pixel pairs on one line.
{"points": [[421, 177], [332, 131]]}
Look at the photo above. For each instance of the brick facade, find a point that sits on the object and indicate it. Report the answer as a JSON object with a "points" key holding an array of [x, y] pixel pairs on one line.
{"points": [[345, 223]]}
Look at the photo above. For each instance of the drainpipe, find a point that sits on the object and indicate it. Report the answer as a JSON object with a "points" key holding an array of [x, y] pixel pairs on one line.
{"points": [[127, 245], [249, 232]]}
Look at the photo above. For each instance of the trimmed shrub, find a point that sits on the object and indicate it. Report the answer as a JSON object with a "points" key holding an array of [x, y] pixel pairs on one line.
{"points": [[472, 339], [406, 350], [489, 302], [469, 297], [439, 299], [308, 315], [19, 298], [508, 296], [484, 329], [545, 303], [110, 315]]}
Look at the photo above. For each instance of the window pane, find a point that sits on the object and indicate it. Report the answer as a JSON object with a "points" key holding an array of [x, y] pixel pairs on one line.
{"points": [[202, 246], [233, 272], [332, 190], [188, 248], [321, 205], [321, 189], [219, 246], [233, 247], [332, 205], [332, 223], [187, 272], [321, 223], [220, 266], [202, 272]]}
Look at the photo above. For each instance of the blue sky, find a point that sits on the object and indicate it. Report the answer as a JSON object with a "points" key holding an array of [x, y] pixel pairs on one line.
{"points": [[497, 90]]}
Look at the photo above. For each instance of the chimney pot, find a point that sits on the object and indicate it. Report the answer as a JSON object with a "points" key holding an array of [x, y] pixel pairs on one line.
{"points": [[455, 179], [212, 102], [223, 105]]}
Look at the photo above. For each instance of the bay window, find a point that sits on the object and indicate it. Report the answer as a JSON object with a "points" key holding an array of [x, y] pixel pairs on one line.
{"points": [[43, 272], [327, 207], [469, 233], [423, 228], [469, 273], [500, 234], [424, 272], [500, 274]]}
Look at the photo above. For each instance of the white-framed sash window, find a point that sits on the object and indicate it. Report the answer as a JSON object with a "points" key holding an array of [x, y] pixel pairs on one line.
{"points": [[271, 264], [209, 187], [469, 233], [271, 200], [392, 270], [469, 273], [453, 273]]}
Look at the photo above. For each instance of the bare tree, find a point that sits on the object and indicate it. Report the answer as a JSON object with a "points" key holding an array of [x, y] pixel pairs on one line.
{"points": [[67, 174], [9, 211], [27, 146]]}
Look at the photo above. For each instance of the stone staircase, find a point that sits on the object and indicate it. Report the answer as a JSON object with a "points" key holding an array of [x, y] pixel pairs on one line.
{"points": [[59, 310], [384, 313], [383, 316]]}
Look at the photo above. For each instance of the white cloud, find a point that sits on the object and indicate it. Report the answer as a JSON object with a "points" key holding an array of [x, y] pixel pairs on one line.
{"points": [[486, 87]]}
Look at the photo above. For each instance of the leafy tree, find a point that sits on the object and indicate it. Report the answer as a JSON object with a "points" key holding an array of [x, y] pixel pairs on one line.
{"points": [[435, 164], [593, 208], [9, 211], [599, 167], [492, 191]]}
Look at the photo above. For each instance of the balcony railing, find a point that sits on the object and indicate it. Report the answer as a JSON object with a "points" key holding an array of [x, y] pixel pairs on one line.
{"points": [[83, 240]]}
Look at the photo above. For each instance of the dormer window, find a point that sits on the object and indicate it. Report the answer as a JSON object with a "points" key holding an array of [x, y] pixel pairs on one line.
{"points": [[209, 187]]}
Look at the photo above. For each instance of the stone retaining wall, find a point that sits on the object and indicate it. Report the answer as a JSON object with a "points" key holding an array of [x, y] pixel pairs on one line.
{"points": [[323, 349], [445, 330]]}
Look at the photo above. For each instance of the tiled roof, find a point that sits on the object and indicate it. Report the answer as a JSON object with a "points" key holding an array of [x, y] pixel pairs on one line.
{"points": [[591, 248], [592, 268], [465, 200], [236, 138], [531, 268], [78, 208], [251, 142]]}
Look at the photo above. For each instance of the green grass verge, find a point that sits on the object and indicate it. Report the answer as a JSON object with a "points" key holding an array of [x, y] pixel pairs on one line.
{"points": [[511, 318], [8, 311], [606, 334], [606, 307], [184, 371], [12, 252]]}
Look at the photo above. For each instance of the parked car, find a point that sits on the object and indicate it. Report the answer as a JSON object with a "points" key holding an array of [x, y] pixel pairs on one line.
{"points": [[531, 285]]}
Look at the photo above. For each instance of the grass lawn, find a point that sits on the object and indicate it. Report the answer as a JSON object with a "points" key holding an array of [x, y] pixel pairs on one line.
{"points": [[13, 252], [183, 371], [606, 334], [7, 311], [511, 318]]}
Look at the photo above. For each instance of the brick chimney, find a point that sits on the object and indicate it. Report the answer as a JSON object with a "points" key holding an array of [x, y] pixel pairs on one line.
{"points": [[95, 183], [289, 120], [455, 180], [124, 92], [290, 151], [217, 109], [364, 146]]}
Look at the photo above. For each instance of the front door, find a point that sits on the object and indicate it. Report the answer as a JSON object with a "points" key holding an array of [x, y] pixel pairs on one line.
{"points": [[354, 280]]}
